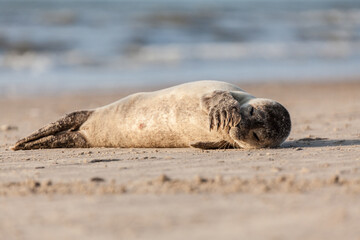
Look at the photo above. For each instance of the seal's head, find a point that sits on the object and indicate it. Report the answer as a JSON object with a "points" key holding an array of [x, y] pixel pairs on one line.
{"points": [[264, 123]]}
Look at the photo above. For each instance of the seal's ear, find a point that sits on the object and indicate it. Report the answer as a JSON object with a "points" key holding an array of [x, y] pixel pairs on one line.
{"points": [[211, 145]]}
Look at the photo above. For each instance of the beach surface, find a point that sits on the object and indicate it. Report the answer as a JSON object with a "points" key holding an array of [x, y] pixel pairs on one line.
{"points": [[307, 189]]}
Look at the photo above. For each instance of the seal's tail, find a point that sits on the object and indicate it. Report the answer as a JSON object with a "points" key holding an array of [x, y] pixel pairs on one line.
{"points": [[57, 134]]}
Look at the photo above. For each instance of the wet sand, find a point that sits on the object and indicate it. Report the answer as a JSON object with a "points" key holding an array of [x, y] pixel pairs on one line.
{"points": [[307, 189]]}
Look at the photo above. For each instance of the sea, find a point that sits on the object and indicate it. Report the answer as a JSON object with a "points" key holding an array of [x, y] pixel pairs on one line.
{"points": [[56, 46]]}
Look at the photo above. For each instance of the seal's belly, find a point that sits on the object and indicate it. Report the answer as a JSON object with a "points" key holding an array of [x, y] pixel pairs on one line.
{"points": [[139, 122]]}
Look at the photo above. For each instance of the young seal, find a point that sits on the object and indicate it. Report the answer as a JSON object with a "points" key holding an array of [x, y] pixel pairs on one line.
{"points": [[203, 114]]}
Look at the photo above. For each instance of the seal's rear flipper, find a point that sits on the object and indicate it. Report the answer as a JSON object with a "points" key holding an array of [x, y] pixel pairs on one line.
{"points": [[66, 139], [57, 134], [212, 145]]}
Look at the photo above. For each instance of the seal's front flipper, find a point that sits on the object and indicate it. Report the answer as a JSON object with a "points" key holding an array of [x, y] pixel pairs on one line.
{"points": [[51, 134], [212, 145], [223, 109]]}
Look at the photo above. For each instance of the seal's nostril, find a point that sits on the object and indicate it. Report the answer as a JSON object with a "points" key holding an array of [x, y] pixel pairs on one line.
{"points": [[251, 111], [256, 136]]}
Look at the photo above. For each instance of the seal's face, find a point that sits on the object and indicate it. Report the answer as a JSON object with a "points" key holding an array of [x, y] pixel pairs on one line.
{"points": [[264, 123]]}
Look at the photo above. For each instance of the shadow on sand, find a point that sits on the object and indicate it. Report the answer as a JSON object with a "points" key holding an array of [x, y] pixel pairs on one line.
{"points": [[104, 160], [320, 142]]}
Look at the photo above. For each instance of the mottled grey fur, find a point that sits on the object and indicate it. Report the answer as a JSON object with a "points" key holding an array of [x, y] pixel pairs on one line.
{"points": [[204, 114]]}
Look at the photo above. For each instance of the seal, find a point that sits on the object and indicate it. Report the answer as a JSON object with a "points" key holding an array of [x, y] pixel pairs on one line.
{"points": [[202, 114]]}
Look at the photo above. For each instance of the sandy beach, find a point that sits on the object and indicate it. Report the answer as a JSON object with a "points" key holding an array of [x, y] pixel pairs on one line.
{"points": [[307, 189]]}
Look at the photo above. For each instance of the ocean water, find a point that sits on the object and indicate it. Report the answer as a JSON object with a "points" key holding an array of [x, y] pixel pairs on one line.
{"points": [[56, 45]]}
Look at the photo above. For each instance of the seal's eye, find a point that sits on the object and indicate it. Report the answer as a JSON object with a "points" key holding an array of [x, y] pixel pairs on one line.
{"points": [[256, 136], [251, 111]]}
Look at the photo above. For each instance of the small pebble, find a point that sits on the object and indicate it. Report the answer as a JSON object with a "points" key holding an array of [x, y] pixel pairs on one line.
{"points": [[218, 179], [335, 179], [46, 183], [199, 179], [97, 179], [163, 178], [7, 127], [304, 170], [276, 169]]}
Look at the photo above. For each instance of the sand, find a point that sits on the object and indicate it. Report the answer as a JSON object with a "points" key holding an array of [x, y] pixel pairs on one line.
{"points": [[307, 189]]}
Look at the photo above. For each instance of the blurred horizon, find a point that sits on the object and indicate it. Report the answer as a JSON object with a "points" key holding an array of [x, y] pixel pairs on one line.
{"points": [[58, 46]]}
